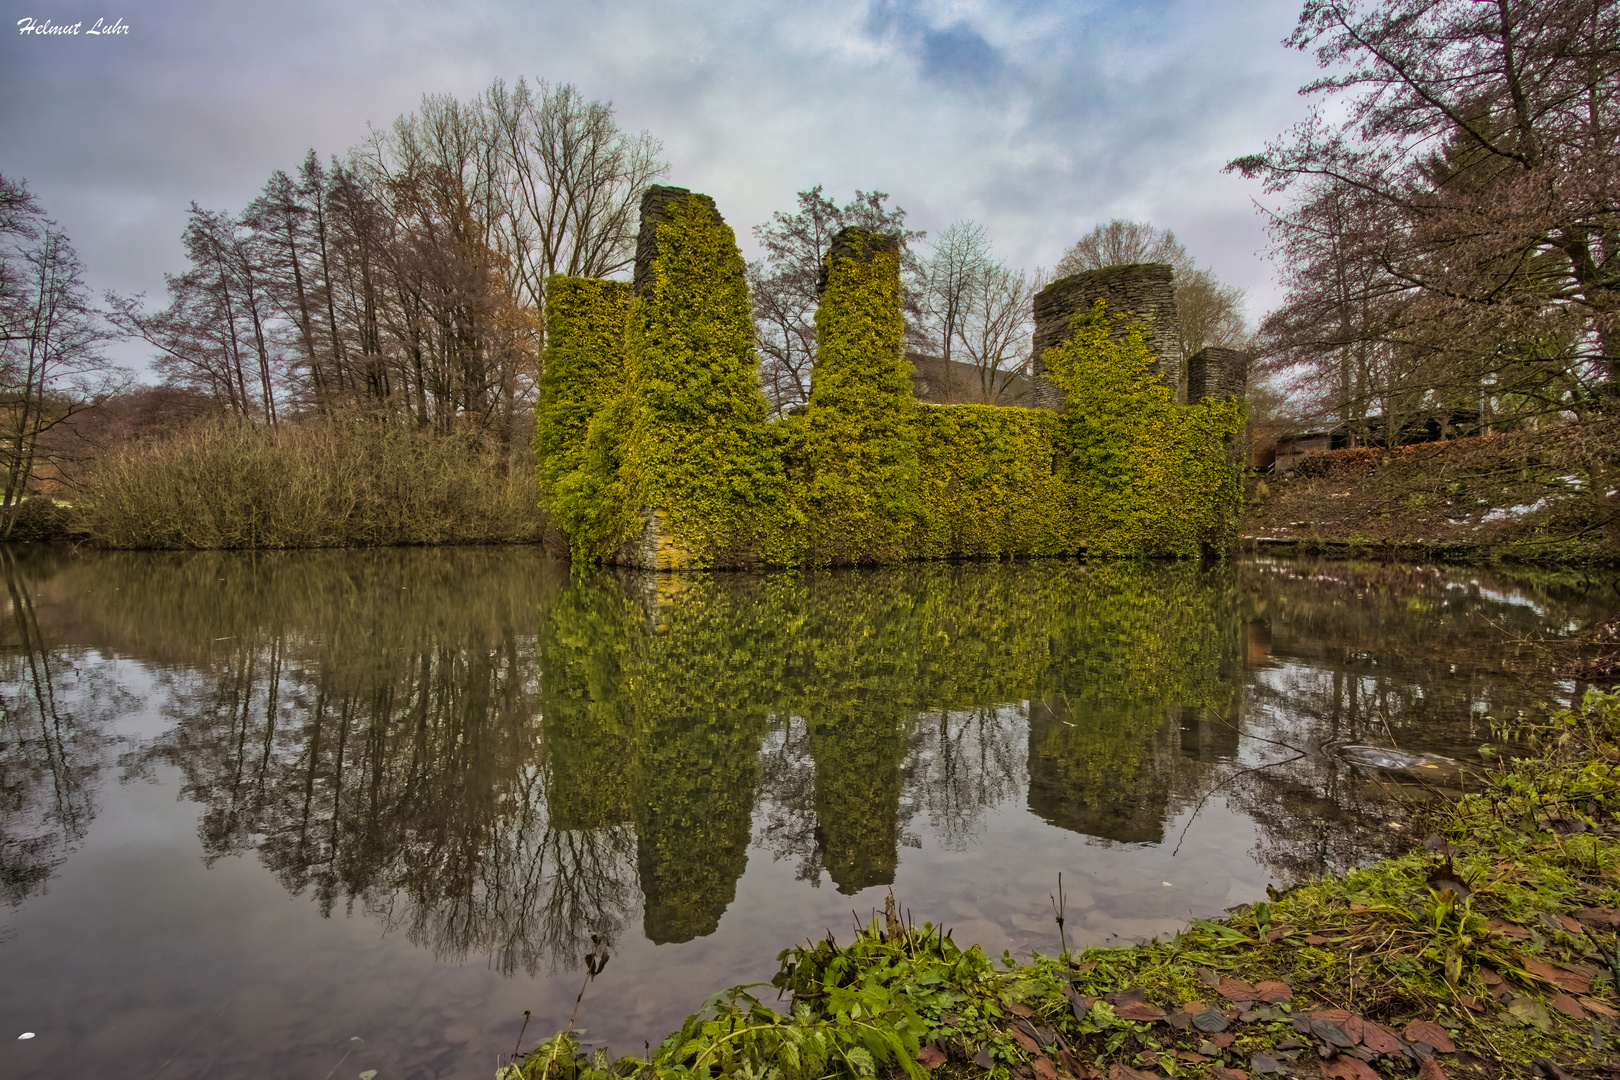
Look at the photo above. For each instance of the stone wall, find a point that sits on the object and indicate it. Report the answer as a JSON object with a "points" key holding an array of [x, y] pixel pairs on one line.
{"points": [[1145, 290], [1214, 372], [858, 245], [655, 210]]}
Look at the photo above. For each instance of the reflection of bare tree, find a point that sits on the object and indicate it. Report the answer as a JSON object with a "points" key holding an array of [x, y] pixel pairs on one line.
{"points": [[1413, 657], [53, 743], [966, 762], [592, 889], [787, 800], [382, 747]]}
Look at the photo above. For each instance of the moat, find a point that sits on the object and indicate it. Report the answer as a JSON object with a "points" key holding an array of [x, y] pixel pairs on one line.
{"points": [[341, 811]]}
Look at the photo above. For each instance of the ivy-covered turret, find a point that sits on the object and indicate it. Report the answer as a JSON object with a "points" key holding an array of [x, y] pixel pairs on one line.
{"points": [[861, 465]]}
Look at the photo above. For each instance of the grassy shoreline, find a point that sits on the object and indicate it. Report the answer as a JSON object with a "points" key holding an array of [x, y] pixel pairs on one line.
{"points": [[1492, 948]]}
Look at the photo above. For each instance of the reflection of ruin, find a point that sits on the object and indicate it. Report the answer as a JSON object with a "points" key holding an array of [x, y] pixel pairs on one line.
{"points": [[1112, 774], [499, 759], [858, 753], [1090, 773]]}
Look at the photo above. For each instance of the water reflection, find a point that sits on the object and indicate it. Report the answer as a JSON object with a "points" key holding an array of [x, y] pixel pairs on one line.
{"points": [[55, 738], [498, 759]]}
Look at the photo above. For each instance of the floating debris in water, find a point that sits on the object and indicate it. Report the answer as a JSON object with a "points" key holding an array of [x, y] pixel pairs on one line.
{"points": [[1381, 757]]}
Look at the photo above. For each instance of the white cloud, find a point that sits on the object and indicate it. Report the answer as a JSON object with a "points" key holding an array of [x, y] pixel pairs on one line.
{"points": [[1038, 120]]}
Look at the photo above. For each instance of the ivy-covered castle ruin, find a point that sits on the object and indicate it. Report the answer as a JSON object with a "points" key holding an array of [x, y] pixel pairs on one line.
{"points": [[655, 448]]}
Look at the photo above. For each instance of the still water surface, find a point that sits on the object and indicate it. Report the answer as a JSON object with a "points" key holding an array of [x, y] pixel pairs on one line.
{"points": [[314, 814]]}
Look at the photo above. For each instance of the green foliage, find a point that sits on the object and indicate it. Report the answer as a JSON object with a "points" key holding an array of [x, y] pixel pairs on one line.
{"points": [[696, 443], [1152, 478], [861, 474], [865, 475], [1411, 938], [996, 482], [579, 411]]}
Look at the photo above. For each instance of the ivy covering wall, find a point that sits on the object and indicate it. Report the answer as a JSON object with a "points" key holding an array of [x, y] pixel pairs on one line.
{"points": [[1151, 477], [860, 479], [866, 474], [583, 383], [697, 447], [996, 482]]}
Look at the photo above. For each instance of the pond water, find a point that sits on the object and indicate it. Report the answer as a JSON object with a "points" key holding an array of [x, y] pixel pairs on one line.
{"points": [[320, 813]]}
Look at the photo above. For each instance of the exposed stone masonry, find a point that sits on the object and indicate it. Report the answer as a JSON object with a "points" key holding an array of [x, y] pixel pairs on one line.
{"points": [[1217, 373], [655, 210], [1145, 290], [844, 246]]}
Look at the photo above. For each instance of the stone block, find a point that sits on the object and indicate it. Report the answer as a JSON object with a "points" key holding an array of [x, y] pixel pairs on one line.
{"points": [[1217, 373]]}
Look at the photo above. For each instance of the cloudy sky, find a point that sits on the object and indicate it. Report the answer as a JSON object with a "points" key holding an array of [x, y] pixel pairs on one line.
{"points": [[1037, 119]]}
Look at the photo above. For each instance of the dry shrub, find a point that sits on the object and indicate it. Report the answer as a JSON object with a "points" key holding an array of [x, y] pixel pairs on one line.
{"points": [[340, 483]]}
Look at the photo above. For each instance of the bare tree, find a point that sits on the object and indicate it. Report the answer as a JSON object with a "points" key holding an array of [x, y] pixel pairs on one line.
{"points": [[953, 276], [995, 335], [1211, 312], [1470, 191], [572, 182], [976, 311], [50, 364], [216, 329], [786, 283], [1123, 243]]}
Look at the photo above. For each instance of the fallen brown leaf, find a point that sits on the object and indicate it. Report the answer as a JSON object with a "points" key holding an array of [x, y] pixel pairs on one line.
{"points": [[1139, 1010], [1221, 1072], [1030, 1045], [1569, 1007], [1562, 977], [1603, 917], [1125, 1072], [1431, 1070], [1501, 926], [1273, 992], [1379, 1039], [930, 1057], [1235, 990], [1348, 1068], [1601, 1010], [1045, 1070], [1427, 1031], [1569, 924]]}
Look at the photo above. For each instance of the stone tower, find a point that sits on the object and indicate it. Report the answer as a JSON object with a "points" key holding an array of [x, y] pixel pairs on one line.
{"points": [[1145, 290]]}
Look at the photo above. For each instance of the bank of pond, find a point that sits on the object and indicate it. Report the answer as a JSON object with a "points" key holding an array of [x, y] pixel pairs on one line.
{"points": [[1489, 949]]}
